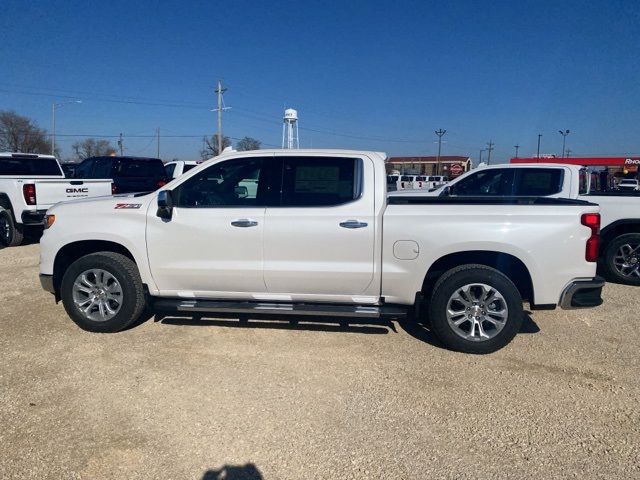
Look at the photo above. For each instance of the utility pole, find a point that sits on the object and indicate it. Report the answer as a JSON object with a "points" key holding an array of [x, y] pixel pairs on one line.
{"points": [[158, 149], [564, 134], [568, 152], [440, 132], [490, 147], [517, 147], [539, 137], [221, 107], [120, 144]]}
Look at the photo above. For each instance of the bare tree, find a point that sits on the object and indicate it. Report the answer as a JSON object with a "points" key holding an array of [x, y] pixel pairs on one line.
{"points": [[21, 134], [248, 143], [210, 146], [92, 147]]}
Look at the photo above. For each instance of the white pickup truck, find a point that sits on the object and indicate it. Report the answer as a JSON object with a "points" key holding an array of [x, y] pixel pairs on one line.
{"points": [[619, 210], [318, 236], [177, 167], [29, 185]]}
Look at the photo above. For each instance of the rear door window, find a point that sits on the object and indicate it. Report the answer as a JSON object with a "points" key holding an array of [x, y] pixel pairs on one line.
{"points": [[102, 168], [492, 182], [538, 182], [320, 181], [131, 167]]}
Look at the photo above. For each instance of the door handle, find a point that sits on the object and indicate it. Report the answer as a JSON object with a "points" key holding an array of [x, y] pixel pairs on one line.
{"points": [[244, 223], [353, 224]]}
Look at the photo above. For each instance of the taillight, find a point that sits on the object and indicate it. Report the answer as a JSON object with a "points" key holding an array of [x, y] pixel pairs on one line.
{"points": [[161, 183], [114, 189], [592, 220], [29, 193]]}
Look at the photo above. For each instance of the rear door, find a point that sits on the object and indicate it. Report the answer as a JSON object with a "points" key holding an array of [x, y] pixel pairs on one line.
{"points": [[138, 175], [320, 241]]}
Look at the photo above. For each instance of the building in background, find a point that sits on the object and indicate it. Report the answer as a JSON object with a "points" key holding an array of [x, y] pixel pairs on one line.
{"points": [[450, 165]]}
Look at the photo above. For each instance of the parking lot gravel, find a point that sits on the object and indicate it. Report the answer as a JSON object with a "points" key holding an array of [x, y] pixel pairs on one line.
{"points": [[269, 399]]}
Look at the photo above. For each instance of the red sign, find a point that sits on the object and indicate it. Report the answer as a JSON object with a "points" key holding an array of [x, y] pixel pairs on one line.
{"points": [[456, 169]]}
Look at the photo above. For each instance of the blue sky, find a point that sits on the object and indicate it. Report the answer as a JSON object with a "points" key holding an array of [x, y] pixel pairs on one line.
{"points": [[375, 75]]}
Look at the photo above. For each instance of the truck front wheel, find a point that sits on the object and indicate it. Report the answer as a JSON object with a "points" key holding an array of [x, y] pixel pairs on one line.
{"points": [[10, 233], [103, 292], [622, 259], [475, 309]]}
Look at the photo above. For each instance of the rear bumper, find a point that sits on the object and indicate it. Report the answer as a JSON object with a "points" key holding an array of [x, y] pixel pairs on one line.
{"points": [[582, 294], [47, 283], [33, 217]]}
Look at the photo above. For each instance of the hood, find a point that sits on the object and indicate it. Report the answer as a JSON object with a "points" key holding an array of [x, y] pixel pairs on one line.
{"points": [[141, 199]]}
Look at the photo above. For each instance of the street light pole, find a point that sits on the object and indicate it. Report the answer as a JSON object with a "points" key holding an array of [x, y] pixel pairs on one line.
{"points": [[564, 139], [53, 122], [440, 132], [539, 137]]}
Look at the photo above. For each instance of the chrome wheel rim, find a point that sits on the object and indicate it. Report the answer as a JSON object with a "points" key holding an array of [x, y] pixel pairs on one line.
{"points": [[97, 294], [627, 260], [4, 229], [477, 312]]}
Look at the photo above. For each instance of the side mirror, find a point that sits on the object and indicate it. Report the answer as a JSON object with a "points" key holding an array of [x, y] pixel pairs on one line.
{"points": [[241, 192], [165, 205]]}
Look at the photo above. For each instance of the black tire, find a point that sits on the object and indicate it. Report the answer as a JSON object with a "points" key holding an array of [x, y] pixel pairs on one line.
{"points": [[125, 271], [459, 277], [11, 233], [633, 276]]}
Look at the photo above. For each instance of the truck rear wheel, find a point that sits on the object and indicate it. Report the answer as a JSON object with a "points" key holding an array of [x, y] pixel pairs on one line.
{"points": [[475, 309], [11, 234], [622, 259], [103, 292]]}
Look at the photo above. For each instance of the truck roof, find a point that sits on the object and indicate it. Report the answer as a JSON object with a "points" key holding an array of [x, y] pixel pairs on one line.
{"points": [[25, 155], [308, 151]]}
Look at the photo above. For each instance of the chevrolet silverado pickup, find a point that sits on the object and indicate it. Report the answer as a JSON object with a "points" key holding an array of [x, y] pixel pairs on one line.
{"points": [[316, 234], [29, 185], [619, 210]]}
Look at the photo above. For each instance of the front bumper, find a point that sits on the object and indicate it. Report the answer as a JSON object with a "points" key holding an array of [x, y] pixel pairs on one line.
{"points": [[47, 283], [33, 217], [582, 294]]}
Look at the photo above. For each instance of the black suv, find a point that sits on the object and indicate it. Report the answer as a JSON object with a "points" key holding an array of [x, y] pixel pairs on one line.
{"points": [[129, 174]]}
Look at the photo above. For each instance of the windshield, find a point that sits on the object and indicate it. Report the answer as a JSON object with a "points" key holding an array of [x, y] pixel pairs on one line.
{"points": [[19, 167]]}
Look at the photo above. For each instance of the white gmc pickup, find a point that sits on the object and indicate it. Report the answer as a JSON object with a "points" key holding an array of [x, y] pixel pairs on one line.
{"points": [[619, 210], [29, 185], [316, 234]]}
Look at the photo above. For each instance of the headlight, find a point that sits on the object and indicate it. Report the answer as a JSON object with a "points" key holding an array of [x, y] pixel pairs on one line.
{"points": [[49, 220]]}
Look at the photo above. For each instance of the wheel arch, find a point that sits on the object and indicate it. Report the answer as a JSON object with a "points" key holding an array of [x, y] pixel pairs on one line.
{"points": [[617, 228], [5, 202], [75, 250], [509, 265]]}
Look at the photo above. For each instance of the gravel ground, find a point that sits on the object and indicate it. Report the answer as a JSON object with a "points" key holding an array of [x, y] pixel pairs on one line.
{"points": [[214, 399]]}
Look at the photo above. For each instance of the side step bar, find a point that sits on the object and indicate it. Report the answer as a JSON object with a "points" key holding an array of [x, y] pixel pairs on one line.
{"points": [[186, 307]]}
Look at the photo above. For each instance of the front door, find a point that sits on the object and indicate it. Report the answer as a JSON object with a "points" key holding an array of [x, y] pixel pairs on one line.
{"points": [[212, 245], [320, 240]]}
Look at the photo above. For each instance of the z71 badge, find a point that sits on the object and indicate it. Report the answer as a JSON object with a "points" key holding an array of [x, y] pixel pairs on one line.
{"points": [[120, 206]]}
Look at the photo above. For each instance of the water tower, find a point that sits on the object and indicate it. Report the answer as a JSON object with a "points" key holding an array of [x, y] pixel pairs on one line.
{"points": [[290, 129]]}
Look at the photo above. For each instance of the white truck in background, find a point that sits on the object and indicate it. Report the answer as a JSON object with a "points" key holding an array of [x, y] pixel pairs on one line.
{"points": [[178, 167], [319, 236], [619, 210], [29, 185]]}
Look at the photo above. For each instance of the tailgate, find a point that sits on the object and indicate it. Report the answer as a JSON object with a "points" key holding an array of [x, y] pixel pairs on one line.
{"points": [[49, 192]]}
